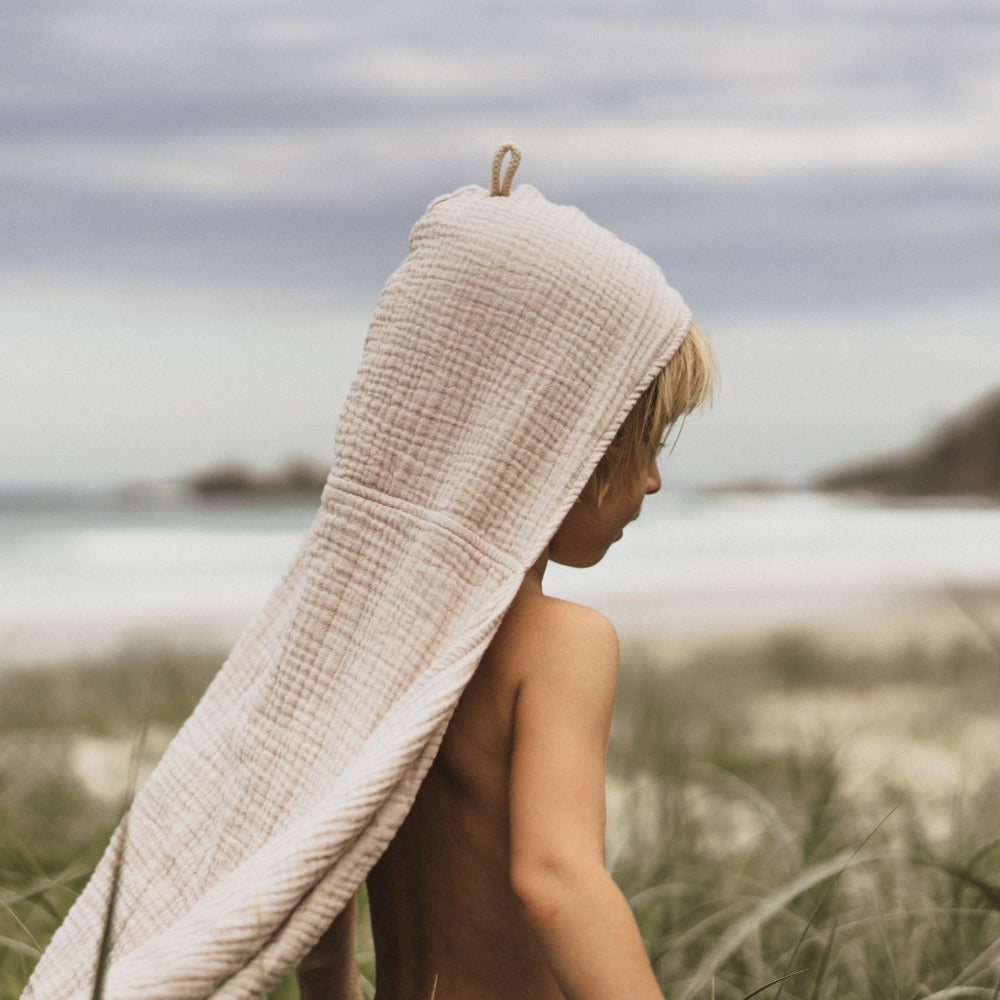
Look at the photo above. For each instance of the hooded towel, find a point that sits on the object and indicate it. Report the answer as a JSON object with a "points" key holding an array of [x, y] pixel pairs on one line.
{"points": [[502, 357]]}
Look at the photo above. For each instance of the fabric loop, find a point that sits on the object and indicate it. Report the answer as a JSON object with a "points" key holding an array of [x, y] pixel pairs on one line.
{"points": [[496, 188]]}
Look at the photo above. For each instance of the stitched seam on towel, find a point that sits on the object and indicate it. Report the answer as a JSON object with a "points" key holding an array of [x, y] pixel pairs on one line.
{"points": [[443, 521]]}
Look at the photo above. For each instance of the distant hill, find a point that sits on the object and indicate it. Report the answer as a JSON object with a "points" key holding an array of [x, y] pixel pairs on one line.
{"points": [[297, 479], [960, 458]]}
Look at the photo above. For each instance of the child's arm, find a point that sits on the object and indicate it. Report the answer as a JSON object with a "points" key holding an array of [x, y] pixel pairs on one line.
{"points": [[330, 970], [562, 718]]}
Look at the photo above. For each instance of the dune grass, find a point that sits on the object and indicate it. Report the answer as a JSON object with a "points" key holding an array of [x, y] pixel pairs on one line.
{"points": [[762, 853], [760, 823], [53, 829]]}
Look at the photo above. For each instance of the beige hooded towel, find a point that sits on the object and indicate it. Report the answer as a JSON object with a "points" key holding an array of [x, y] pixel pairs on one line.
{"points": [[503, 355]]}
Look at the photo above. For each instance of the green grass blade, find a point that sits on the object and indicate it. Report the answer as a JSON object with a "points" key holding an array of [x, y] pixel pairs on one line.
{"points": [[12, 944], [764, 911], [107, 931], [824, 962], [774, 982], [826, 892]]}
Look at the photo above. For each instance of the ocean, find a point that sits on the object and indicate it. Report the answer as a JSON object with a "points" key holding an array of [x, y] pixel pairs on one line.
{"points": [[76, 576]]}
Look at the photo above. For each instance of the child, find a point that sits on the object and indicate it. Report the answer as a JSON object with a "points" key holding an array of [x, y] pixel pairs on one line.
{"points": [[409, 703], [495, 884]]}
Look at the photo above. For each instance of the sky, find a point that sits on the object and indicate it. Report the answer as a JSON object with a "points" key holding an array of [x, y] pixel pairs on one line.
{"points": [[200, 200]]}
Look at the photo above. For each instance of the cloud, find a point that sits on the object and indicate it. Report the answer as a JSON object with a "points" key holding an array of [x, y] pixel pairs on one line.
{"points": [[123, 380], [118, 62], [826, 161], [253, 102]]}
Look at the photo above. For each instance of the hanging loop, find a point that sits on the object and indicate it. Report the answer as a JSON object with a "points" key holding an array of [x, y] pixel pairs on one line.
{"points": [[496, 188]]}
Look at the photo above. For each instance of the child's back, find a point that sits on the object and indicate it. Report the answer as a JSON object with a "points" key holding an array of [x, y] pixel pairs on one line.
{"points": [[495, 885], [445, 915]]}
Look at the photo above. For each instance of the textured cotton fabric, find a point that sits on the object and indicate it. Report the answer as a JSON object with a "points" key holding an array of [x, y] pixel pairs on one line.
{"points": [[502, 357]]}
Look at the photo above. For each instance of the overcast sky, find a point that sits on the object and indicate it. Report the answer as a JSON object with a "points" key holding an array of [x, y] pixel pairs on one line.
{"points": [[200, 200]]}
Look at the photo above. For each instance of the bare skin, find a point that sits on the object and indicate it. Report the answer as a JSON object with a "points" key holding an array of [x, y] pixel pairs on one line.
{"points": [[331, 968], [495, 886]]}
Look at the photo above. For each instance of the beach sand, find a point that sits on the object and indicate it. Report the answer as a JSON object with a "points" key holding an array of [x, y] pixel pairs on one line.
{"points": [[931, 620]]}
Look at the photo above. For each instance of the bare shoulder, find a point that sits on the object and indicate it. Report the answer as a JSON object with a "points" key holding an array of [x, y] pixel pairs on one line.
{"points": [[548, 658], [543, 634], [564, 626]]}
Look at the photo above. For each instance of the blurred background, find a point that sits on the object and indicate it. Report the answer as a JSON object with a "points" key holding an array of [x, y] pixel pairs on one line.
{"points": [[199, 202]]}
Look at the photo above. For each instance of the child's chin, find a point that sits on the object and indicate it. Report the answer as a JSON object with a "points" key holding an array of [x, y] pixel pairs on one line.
{"points": [[578, 560]]}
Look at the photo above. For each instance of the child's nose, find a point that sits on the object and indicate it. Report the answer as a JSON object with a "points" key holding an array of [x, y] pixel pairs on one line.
{"points": [[653, 482]]}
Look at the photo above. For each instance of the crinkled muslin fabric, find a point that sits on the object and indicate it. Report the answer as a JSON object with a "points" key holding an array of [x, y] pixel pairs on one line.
{"points": [[503, 355]]}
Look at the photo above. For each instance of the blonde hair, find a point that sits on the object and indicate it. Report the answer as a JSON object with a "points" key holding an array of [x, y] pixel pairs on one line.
{"points": [[688, 380]]}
